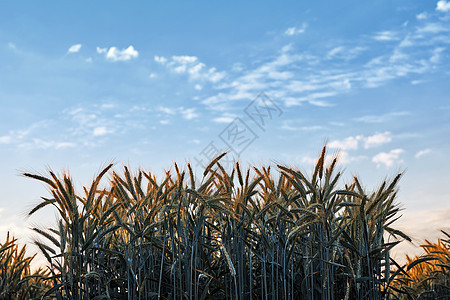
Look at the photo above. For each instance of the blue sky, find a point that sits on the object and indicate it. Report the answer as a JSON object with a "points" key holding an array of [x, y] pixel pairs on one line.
{"points": [[147, 84]]}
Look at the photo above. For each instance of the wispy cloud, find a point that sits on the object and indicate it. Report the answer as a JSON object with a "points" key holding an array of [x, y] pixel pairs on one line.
{"points": [[167, 110], [225, 118], [291, 126], [114, 54], [422, 153], [388, 158], [191, 66], [345, 53], [432, 28], [160, 59], [296, 77], [47, 144], [188, 113], [296, 30], [101, 130], [382, 118], [22, 135], [6, 139], [422, 16], [87, 124], [386, 36], [436, 55], [74, 48]]}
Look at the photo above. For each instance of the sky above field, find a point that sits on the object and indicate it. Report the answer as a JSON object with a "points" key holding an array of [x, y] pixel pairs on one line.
{"points": [[149, 83]]}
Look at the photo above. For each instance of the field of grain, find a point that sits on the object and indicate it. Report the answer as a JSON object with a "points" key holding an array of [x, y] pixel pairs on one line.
{"points": [[244, 234]]}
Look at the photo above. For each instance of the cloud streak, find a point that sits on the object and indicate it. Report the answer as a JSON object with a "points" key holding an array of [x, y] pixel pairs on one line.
{"points": [[296, 30], [422, 153]]}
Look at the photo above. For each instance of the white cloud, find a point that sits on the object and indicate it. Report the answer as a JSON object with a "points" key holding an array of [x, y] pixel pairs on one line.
{"points": [[286, 48], [21, 135], [164, 122], [12, 46], [101, 50], [398, 55], [225, 118], [114, 54], [312, 98], [346, 144], [190, 65], [345, 53], [167, 110], [99, 131], [352, 142], [188, 113], [74, 48], [385, 36], [62, 145], [294, 30], [377, 139], [443, 5], [184, 59], [436, 57], [422, 16], [152, 75], [180, 69], [422, 153], [108, 105], [291, 125], [195, 70], [39, 143], [5, 139], [382, 118], [432, 28], [160, 59], [387, 159], [214, 76], [336, 50], [296, 76], [415, 82], [406, 42], [198, 87], [280, 75]]}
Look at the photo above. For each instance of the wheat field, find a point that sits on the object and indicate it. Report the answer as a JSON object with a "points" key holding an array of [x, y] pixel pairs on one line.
{"points": [[239, 234]]}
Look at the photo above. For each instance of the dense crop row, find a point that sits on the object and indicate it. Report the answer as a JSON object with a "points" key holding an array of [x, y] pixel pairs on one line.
{"points": [[234, 235]]}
